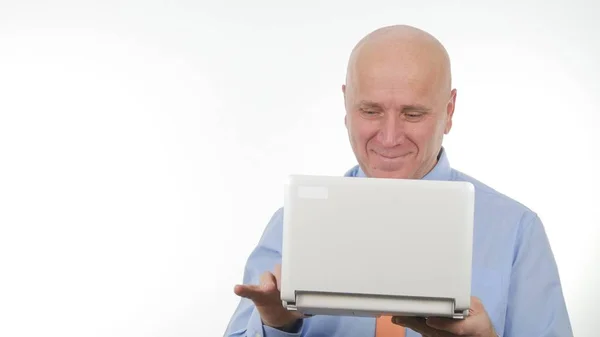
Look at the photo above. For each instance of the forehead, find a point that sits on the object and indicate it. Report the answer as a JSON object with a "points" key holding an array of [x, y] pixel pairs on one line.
{"points": [[396, 83], [397, 73]]}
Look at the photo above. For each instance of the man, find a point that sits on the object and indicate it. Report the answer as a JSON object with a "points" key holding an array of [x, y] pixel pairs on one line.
{"points": [[399, 105]]}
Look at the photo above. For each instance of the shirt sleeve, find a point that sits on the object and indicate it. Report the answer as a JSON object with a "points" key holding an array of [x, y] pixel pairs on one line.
{"points": [[536, 305], [246, 321]]}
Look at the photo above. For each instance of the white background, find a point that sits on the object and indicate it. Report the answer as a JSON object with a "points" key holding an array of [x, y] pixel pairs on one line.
{"points": [[144, 144]]}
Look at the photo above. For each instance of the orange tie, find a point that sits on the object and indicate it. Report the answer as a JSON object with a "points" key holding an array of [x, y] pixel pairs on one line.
{"points": [[385, 328]]}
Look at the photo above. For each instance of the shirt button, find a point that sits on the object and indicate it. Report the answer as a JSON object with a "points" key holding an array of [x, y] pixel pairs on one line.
{"points": [[257, 335]]}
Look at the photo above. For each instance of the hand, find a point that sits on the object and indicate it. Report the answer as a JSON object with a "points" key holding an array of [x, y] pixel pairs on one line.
{"points": [[476, 324], [267, 299]]}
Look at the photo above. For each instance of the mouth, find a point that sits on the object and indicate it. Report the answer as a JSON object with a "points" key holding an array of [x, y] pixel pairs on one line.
{"points": [[390, 156]]}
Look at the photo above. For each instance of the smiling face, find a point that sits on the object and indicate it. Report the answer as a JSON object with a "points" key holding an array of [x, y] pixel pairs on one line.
{"points": [[398, 103]]}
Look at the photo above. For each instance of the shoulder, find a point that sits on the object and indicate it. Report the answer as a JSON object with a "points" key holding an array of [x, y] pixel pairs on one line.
{"points": [[503, 225], [496, 205]]}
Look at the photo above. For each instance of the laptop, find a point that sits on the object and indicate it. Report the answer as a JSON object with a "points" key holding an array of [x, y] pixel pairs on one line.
{"points": [[371, 246]]}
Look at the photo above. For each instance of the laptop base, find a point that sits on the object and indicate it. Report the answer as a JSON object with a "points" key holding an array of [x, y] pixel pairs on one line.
{"points": [[312, 303]]}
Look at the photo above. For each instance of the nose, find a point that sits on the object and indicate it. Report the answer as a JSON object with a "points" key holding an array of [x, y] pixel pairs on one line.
{"points": [[391, 132]]}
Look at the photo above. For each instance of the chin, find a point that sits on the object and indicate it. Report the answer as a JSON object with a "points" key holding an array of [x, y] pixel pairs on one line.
{"points": [[387, 173]]}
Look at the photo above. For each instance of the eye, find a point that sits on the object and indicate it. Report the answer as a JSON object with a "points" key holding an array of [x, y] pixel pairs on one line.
{"points": [[413, 115], [369, 112]]}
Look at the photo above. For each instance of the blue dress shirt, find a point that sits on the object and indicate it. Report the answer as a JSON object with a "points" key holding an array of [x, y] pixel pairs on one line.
{"points": [[514, 272]]}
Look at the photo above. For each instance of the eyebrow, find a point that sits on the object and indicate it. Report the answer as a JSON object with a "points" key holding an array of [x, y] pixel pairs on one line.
{"points": [[368, 104], [410, 107], [416, 107]]}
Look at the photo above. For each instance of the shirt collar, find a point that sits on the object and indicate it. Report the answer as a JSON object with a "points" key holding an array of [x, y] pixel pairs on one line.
{"points": [[441, 170]]}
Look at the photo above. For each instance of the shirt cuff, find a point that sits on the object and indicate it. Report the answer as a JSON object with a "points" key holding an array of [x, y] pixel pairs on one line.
{"points": [[257, 329]]}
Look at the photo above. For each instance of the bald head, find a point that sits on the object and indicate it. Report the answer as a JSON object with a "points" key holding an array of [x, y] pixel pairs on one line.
{"points": [[399, 101], [408, 50]]}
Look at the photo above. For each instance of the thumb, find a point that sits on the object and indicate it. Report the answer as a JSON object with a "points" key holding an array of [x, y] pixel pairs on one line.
{"points": [[268, 283], [277, 276]]}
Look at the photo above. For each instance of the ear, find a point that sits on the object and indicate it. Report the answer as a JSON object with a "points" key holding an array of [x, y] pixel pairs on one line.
{"points": [[346, 114], [450, 111]]}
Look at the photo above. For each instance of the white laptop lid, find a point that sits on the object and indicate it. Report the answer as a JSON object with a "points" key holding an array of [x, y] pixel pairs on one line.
{"points": [[370, 247]]}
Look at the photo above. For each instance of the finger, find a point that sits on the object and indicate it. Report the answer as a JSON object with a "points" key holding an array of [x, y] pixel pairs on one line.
{"points": [[443, 323], [407, 320], [258, 292], [249, 291], [258, 295], [419, 325], [456, 327], [476, 301]]}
